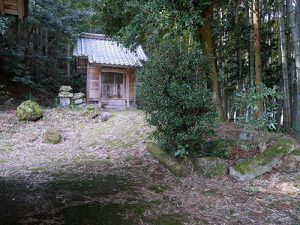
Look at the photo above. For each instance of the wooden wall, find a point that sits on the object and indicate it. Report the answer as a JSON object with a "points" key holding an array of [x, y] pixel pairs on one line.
{"points": [[14, 7], [132, 87], [93, 81], [93, 90]]}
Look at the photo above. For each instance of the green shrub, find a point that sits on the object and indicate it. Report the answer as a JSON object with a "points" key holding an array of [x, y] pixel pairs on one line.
{"points": [[172, 91], [247, 103]]}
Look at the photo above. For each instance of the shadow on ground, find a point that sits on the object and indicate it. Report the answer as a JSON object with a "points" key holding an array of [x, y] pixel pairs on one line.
{"points": [[76, 199]]}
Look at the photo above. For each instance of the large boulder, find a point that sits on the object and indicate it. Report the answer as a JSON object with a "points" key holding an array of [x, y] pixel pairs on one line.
{"points": [[51, 136], [29, 110], [210, 166], [291, 163], [65, 89], [263, 163], [246, 142], [168, 161]]}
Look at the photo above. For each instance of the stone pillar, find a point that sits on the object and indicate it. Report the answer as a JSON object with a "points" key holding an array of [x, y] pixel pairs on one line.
{"points": [[65, 95], [79, 99]]}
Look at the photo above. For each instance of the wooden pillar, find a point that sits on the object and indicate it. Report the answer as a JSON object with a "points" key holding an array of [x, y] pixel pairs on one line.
{"points": [[100, 87], [88, 83], [1, 8], [127, 88], [20, 8], [134, 99]]}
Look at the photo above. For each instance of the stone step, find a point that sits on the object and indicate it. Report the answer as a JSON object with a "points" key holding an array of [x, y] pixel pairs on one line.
{"points": [[113, 102]]}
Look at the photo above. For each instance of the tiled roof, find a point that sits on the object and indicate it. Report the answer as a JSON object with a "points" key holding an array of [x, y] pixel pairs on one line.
{"points": [[102, 50]]}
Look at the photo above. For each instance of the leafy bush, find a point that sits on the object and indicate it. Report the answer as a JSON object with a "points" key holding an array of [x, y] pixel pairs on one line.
{"points": [[247, 103], [78, 82], [172, 91]]}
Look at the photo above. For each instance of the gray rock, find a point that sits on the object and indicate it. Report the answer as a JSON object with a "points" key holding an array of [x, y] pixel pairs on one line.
{"points": [[262, 146], [79, 101], [210, 166], [105, 116], [64, 94], [291, 163], [64, 101], [246, 142], [244, 136], [81, 105], [246, 146], [78, 95], [51, 136], [65, 89], [264, 162]]}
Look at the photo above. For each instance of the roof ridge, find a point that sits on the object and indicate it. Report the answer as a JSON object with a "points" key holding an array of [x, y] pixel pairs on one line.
{"points": [[95, 36]]}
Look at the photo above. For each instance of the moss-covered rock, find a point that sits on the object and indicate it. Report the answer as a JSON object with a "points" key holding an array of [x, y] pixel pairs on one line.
{"points": [[296, 153], [51, 136], [264, 162], [291, 163], [29, 110], [210, 166], [168, 161]]}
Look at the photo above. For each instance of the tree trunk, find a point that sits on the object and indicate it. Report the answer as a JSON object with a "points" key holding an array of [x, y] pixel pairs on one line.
{"points": [[46, 43], [257, 51], [294, 24], [207, 46], [251, 51], [68, 46], [28, 47], [284, 66], [292, 73], [68, 71], [239, 59]]}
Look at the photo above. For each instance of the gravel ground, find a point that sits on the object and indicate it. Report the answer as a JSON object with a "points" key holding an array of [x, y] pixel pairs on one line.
{"points": [[105, 164]]}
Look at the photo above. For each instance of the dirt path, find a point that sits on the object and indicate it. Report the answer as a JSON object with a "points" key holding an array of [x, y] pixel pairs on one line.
{"points": [[101, 174]]}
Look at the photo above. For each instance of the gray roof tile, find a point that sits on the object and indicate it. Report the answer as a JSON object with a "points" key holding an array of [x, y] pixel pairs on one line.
{"points": [[98, 49]]}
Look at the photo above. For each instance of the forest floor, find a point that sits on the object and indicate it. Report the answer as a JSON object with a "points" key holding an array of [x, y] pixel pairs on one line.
{"points": [[101, 174]]}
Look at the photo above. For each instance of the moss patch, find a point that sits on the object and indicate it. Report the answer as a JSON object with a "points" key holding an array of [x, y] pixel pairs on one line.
{"points": [[130, 158], [158, 189], [296, 152], [168, 220], [99, 214], [29, 110], [280, 148], [210, 166], [167, 160], [51, 136], [264, 162]]}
